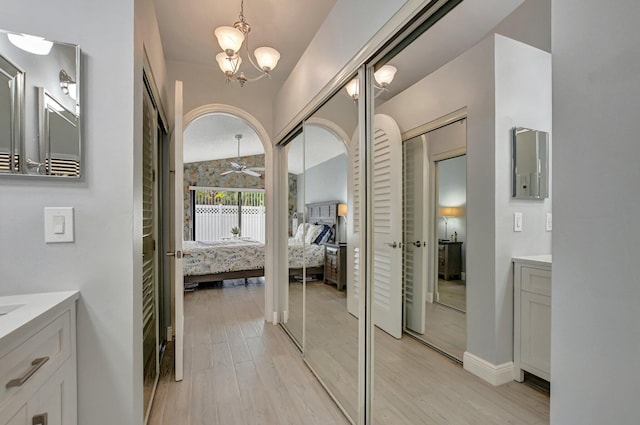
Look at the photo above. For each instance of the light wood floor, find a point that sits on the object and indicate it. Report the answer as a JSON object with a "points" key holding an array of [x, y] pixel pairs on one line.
{"points": [[238, 369], [453, 293], [412, 383]]}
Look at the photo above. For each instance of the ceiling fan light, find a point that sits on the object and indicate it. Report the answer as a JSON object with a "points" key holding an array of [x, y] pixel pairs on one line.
{"points": [[228, 65], [384, 76], [267, 58], [353, 88], [229, 38]]}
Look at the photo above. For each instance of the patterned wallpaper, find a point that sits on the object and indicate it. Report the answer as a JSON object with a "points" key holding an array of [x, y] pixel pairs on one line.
{"points": [[207, 174]]}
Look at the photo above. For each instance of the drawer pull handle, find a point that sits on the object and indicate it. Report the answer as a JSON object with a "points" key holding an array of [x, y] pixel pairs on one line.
{"points": [[35, 365]]}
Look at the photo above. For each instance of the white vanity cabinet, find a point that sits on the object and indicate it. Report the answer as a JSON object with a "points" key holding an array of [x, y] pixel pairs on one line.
{"points": [[38, 359], [532, 316]]}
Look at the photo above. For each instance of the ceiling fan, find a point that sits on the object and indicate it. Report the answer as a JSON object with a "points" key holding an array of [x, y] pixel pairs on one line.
{"points": [[237, 167]]}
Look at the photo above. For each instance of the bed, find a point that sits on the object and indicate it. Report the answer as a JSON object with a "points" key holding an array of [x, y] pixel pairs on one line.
{"points": [[213, 261]]}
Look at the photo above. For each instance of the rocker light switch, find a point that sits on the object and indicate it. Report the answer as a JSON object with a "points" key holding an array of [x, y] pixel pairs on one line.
{"points": [[517, 222], [58, 225]]}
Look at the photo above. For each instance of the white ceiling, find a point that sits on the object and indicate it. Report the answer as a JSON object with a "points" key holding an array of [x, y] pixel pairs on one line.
{"points": [[186, 28], [320, 145]]}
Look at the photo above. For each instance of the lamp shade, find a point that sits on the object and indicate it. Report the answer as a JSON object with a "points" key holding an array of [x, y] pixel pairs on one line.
{"points": [[267, 58], [342, 210], [384, 75], [227, 64], [229, 38], [450, 211], [353, 88]]}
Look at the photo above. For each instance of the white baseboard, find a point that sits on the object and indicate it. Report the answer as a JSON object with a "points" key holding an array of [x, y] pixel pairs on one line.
{"points": [[275, 318], [493, 374], [430, 297]]}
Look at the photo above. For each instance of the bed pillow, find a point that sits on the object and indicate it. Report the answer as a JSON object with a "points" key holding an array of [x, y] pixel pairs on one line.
{"points": [[324, 236], [312, 233], [299, 236]]}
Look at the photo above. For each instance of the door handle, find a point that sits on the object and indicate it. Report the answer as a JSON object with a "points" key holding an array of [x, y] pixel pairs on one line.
{"points": [[177, 254], [395, 244], [417, 244]]}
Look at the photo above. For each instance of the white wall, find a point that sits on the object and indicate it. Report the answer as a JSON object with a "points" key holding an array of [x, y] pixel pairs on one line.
{"points": [[102, 262], [595, 341], [480, 80]]}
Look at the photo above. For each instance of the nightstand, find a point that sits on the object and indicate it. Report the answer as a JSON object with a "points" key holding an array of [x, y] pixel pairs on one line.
{"points": [[449, 259], [335, 267]]}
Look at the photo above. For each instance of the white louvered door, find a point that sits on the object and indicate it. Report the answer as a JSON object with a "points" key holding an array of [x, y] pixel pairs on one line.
{"points": [[353, 227], [415, 259], [387, 227]]}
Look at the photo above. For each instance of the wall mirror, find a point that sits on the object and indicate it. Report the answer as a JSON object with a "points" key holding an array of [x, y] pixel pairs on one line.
{"points": [[530, 177], [39, 107]]}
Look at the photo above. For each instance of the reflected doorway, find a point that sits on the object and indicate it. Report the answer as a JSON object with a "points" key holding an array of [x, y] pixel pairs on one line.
{"points": [[434, 227]]}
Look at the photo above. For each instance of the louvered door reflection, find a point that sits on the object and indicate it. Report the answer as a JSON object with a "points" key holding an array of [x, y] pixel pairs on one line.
{"points": [[149, 256], [353, 228]]}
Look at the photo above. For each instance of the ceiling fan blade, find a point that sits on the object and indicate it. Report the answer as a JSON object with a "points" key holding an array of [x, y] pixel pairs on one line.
{"points": [[235, 165], [251, 173], [255, 168], [227, 172]]}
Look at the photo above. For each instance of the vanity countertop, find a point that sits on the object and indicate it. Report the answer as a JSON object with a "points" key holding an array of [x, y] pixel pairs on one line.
{"points": [[17, 311], [534, 260]]}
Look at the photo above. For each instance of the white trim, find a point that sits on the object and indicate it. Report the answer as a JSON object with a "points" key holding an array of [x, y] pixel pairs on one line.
{"points": [[430, 297], [332, 127], [493, 374], [443, 121], [272, 207], [275, 318]]}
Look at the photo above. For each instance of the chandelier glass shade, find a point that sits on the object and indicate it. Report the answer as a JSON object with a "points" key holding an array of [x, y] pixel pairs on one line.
{"points": [[384, 76], [232, 39]]}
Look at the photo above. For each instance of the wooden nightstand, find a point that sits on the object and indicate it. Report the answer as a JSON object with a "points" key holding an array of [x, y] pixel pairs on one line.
{"points": [[449, 259], [335, 270]]}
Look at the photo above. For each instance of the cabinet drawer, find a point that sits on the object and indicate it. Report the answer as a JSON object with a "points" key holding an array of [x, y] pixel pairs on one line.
{"points": [[36, 358], [536, 281]]}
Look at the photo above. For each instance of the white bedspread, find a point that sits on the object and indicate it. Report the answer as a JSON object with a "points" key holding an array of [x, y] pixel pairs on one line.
{"points": [[211, 257]]}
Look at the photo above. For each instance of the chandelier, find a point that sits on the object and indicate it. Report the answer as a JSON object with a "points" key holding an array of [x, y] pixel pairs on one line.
{"points": [[231, 40], [383, 77]]}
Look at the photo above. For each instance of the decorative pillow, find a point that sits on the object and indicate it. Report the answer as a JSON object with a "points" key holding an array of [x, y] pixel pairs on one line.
{"points": [[324, 236]]}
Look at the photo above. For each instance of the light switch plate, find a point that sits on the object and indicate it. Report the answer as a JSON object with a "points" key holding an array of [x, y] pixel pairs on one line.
{"points": [[549, 222], [58, 224], [517, 222]]}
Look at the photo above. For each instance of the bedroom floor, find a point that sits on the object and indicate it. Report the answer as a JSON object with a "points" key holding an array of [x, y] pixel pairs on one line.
{"points": [[241, 370]]}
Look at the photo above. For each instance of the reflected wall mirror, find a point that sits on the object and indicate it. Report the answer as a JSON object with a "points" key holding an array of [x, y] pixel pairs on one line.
{"points": [[530, 176], [39, 107]]}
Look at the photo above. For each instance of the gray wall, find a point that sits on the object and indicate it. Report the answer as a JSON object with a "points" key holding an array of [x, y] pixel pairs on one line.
{"points": [[452, 191], [325, 182], [595, 341], [105, 260]]}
